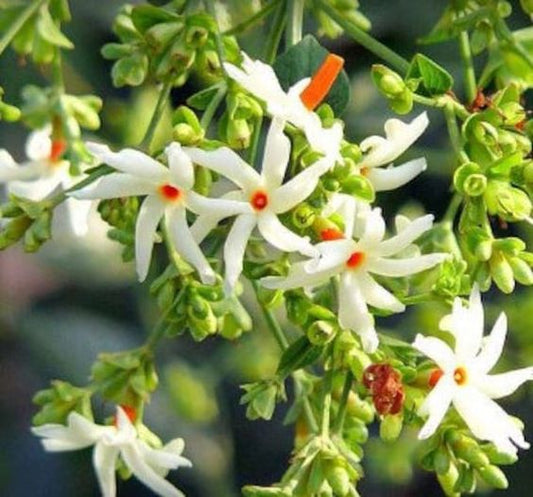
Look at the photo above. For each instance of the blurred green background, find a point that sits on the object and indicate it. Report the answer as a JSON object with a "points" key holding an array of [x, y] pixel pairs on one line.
{"points": [[76, 298]]}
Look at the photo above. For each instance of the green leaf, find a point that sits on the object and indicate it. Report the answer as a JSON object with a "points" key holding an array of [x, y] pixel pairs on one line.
{"points": [[50, 32], [436, 79], [302, 61], [202, 99], [300, 354], [146, 16]]}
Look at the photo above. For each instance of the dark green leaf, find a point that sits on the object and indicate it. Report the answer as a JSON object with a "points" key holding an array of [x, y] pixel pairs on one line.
{"points": [[435, 79], [300, 354]]}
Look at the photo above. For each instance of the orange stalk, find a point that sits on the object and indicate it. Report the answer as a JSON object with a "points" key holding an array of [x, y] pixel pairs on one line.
{"points": [[322, 81]]}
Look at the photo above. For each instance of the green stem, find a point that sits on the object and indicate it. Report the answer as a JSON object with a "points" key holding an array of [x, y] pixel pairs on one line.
{"points": [[451, 211], [326, 405], [243, 26], [343, 403], [57, 72], [295, 14], [210, 7], [468, 65], [364, 39], [278, 25], [453, 131], [14, 28], [158, 330], [156, 116], [209, 113]]}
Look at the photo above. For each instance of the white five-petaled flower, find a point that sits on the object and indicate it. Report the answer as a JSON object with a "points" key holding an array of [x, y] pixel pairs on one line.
{"points": [[169, 194], [380, 151], [42, 174], [355, 261], [262, 197], [261, 81], [463, 378], [149, 465]]}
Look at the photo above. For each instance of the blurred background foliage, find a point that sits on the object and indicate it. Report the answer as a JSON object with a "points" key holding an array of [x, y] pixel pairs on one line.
{"points": [[76, 298]]}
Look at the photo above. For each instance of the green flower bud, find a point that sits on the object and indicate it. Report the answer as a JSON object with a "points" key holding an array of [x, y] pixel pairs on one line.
{"points": [[479, 243], [181, 56], [261, 398], [441, 460], [391, 427], [360, 409], [448, 480], [309, 157], [112, 51], [186, 126], [497, 457], [202, 320], [196, 36], [356, 432], [511, 245], [493, 476], [239, 134], [358, 361], [254, 491], [507, 202], [202, 180], [467, 449], [9, 113], [297, 308], [359, 186], [501, 272], [521, 271], [339, 479], [402, 104], [160, 35], [331, 184], [513, 112], [14, 230], [475, 185], [351, 151], [131, 70], [303, 216], [208, 63], [321, 332], [387, 81], [462, 173]]}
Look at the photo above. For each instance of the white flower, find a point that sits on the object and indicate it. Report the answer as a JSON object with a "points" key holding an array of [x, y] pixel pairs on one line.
{"points": [[355, 261], [149, 465], [42, 174], [379, 151], [261, 81], [169, 194], [262, 197], [465, 381]]}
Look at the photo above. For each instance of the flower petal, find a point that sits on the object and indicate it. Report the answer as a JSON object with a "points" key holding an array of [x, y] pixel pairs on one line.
{"points": [[130, 161], [35, 190], [436, 405], [234, 249], [180, 165], [497, 386], [39, 145], [405, 237], [115, 185], [104, 462], [298, 277], [150, 214], [375, 295], [78, 215], [332, 255], [226, 162], [437, 350], [346, 206], [487, 420], [390, 178], [404, 267], [399, 137], [373, 228], [186, 245], [11, 171], [281, 237], [276, 155], [218, 207], [144, 473], [354, 314], [167, 457], [492, 347], [298, 188]]}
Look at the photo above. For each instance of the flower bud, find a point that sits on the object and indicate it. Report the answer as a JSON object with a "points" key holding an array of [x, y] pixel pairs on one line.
{"points": [[202, 320], [462, 173], [513, 113], [14, 230], [321, 332], [479, 243], [359, 186], [9, 113], [527, 6], [507, 202], [448, 480], [475, 185], [441, 460], [493, 476], [390, 427], [186, 127], [521, 271], [239, 134], [501, 272], [160, 35], [466, 448], [196, 36], [261, 398], [303, 216], [351, 151], [388, 82], [338, 478], [497, 457]]}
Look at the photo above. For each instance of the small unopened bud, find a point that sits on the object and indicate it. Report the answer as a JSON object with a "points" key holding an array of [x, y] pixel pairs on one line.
{"points": [[493, 476], [521, 271], [303, 216], [390, 427], [321, 332], [239, 134], [501, 272]]}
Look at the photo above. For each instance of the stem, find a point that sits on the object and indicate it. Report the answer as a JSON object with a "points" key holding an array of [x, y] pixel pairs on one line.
{"points": [[468, 63], [295, 14], [451, 211], [14, 28], [364, 39], [278, 25], [453, 131], [159, 329], [341, 414], [210, 7], [326, 405], [156, 116], [209, 113], [57, 72], [283, 343], [243, 26]]}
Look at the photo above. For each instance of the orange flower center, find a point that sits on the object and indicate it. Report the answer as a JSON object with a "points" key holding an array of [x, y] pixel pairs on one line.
{"points": [[129, 411], [329, 234], [169, 192], [460, 376], [364, 171], [435, 376], [57, 150], [355, 260], [259, 200], [322, 81]]}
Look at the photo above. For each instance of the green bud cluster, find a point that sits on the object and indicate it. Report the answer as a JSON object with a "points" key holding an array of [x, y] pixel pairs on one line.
{"points": [[261, 398], [160, 42], [8, 112], [127, 377], [40, 35], [392, 86], [202, 309], [55, 403], [121, 215], [186, 127]]}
